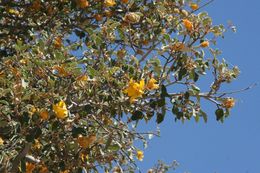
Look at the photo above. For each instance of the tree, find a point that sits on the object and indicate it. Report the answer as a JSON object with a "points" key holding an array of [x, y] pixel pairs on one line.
{"points": [[77, 76]]}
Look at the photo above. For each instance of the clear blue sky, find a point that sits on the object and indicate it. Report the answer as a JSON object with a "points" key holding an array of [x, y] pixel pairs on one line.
{"points": [[232, 147]]}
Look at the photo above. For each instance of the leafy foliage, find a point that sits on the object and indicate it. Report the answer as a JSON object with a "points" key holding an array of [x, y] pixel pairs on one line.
{"points": [[77, 76]]}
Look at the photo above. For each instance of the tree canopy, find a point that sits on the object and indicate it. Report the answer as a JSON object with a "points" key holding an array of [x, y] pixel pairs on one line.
{"points": [[76, 77]]}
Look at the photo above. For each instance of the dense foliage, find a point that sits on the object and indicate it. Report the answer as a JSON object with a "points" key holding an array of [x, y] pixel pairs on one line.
{"points": [[77, 76]]}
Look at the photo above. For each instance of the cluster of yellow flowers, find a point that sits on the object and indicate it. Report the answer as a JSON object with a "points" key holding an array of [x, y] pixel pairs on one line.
{"points": [[135, 89]]}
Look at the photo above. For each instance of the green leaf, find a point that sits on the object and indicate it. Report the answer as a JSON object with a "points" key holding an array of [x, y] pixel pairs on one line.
{"points": [[77, 130], [23, 165], [164, 92], [182, 73], [137, 115], [197, 118], [160, 118], [114, 147], [219, 114], [187, 95], [204, 116], [109, 141], [152, 104], [161, 102], [175, 109], [4, 102], [34, 134], [195, 89], [79, 33]]}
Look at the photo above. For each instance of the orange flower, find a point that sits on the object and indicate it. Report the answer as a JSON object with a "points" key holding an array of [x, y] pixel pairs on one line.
{"points": [[124, 1], [65, 171], [44, 115], [98, 17], [194, 6], [29, 167], [82, 3], [229, 103], [204, 44], [36, 5], [43, 169], [188, 24], [57, 42]]}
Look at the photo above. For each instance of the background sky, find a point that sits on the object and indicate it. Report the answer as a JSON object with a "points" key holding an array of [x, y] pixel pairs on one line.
{"points": [[232, 147]]}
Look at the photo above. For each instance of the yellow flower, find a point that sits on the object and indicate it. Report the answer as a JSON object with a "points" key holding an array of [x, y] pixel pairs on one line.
{"points": [[188, 24], [151, 85], [204, 44], [13, 11], [1, 141], [139, 155], [194, 6], [32, 110], [37, 145], [29, 167], [82, 3], [109, 3], [24, 61], [84, 157], [60, 109], [85, 141], [44, 115], [82, 78], [135, 90], [229, 103]]}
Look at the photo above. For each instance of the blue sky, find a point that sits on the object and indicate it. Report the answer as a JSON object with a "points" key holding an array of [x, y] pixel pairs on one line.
{"points": [[232, 147]]}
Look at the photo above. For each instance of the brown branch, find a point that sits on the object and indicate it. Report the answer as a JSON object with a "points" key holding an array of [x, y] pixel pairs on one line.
{"points": [[20, 156]]}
